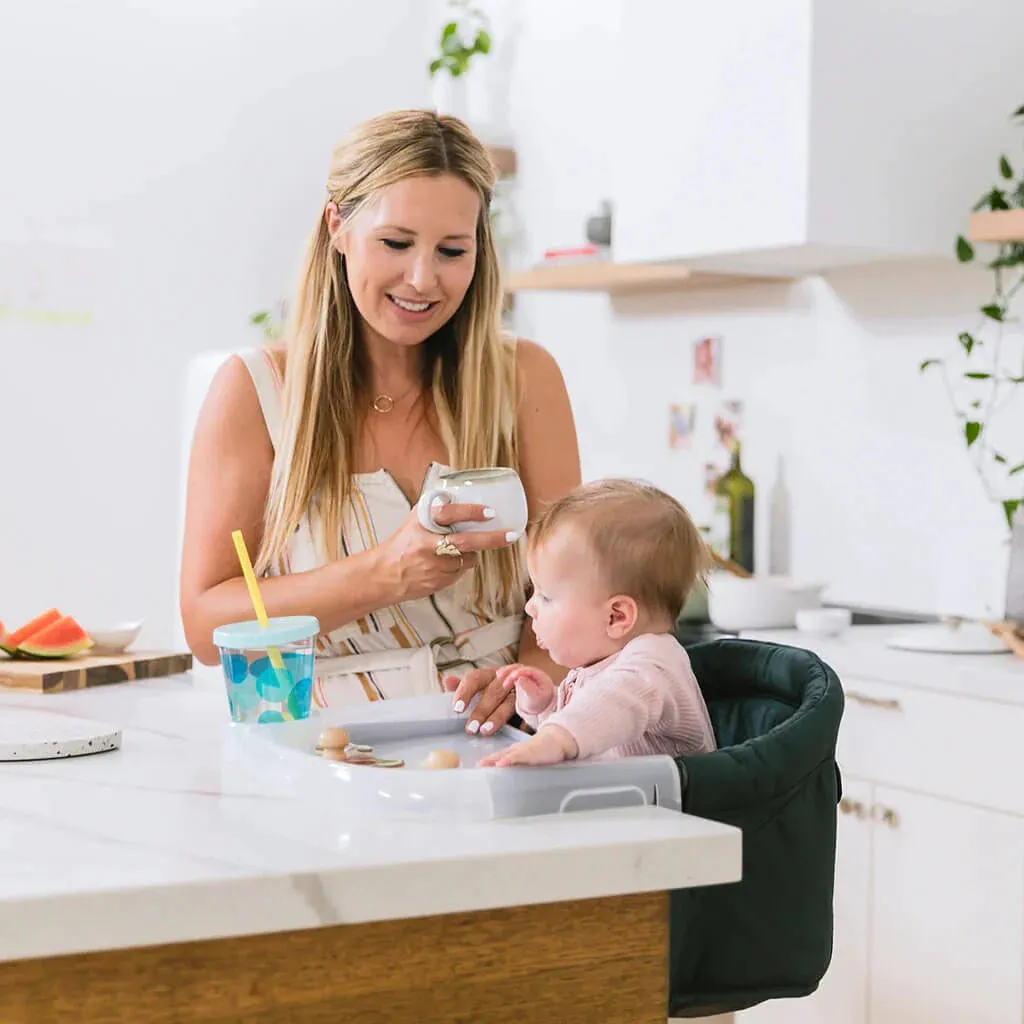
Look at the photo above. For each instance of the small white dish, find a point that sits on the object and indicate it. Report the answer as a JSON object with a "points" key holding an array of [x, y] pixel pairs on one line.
{"points": [[113, 639], [823, 621]]}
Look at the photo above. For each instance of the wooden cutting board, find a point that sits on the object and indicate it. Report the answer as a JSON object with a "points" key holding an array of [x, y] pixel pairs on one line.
{"points": [[90, 670]]}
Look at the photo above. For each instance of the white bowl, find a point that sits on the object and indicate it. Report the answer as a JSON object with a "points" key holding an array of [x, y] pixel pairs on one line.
{"points": [[761, 602], [113, 639], [823, 621]]}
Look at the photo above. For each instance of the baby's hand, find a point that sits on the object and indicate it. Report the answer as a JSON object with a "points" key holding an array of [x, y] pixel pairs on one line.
{"points": [[551, 745], [534, 689]]}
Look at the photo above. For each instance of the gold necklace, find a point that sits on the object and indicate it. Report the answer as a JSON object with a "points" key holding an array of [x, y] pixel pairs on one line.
{"points": [[384, 402]]}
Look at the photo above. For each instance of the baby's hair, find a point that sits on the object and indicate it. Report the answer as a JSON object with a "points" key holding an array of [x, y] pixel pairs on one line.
{"points": [[644, 542]]}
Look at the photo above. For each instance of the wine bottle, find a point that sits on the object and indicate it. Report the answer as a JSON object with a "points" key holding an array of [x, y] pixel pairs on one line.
{"points": [[738, 490]]}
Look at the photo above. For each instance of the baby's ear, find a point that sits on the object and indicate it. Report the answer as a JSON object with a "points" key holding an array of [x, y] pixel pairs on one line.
{"points": [[621, 617]]}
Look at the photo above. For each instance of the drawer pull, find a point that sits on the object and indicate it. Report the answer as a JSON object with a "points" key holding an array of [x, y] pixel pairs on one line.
{"points": [[886, 815], [886, 703], [854, 807]]}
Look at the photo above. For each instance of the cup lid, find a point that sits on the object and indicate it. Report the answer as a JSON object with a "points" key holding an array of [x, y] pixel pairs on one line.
{"points": [[283, 630]]}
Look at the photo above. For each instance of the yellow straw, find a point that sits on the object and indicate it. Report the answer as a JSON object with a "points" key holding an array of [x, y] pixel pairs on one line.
{"points": [[254, 595]]}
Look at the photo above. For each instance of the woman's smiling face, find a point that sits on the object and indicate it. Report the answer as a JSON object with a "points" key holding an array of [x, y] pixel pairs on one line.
{"points": [[410, 254]]}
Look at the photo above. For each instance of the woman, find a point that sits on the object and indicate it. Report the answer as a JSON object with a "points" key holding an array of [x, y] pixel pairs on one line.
{"points": [[395, 371]]}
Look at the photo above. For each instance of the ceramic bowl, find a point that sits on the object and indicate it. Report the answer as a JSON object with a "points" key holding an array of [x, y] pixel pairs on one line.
{"points": [[823, 621], [761, 602], [113, 639]]}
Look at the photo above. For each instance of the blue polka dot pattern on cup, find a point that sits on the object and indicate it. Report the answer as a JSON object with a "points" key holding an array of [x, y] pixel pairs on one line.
{"points": [[236, 667], [272, 684], [297, 705]]}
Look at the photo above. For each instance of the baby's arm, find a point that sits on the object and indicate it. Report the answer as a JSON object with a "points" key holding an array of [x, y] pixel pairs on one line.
{"points": [[614, 708], [551, 745], [536, 694]]}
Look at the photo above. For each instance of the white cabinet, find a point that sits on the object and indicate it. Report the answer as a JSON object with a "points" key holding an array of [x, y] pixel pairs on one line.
{"points": [[929, 895], [796, 135], [947, 935]]}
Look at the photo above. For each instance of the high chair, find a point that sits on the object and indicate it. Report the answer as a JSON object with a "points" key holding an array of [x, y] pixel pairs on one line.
{"points": [[775, 711]]}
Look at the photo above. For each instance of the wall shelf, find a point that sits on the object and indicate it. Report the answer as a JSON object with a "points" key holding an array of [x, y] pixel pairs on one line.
{"points": [[617, 278], [997, 226], [504, 160]]}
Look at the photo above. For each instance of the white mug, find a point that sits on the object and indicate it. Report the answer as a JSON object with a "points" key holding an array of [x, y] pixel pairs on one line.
{"points": [[496, 487]]}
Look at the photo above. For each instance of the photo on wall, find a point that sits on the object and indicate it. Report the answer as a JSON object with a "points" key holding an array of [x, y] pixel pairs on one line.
{"points": [[707, 361], [681, 421]]}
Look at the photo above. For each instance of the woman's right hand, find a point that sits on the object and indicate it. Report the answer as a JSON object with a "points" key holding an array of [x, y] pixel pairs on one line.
{"points": [[410, 553]]}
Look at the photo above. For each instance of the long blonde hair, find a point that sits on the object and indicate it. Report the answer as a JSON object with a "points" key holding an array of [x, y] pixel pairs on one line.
{"points": [[468, 365]]}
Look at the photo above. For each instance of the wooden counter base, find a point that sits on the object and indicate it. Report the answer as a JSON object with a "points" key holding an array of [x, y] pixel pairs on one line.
{"points": [[594, 960]]}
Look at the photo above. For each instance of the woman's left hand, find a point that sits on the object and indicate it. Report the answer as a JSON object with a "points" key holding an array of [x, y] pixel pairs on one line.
{"points": [[495, 704]]}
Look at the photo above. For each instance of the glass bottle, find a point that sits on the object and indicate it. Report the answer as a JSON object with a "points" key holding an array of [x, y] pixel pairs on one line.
{"points": [[738, 490]]}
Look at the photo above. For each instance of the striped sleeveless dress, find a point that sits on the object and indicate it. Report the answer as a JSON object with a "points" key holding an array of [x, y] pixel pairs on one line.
{"points": [[401, 650]]}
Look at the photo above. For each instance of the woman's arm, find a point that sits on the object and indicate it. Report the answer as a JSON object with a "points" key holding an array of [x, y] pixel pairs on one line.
{"points": [[549, 465], [549, 458], [228, 483]]}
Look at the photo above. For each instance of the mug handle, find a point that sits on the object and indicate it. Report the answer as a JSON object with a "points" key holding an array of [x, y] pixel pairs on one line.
{"points": [[424, 514]]}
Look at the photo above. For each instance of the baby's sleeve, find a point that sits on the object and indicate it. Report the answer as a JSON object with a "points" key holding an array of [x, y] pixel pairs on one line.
{"points": [[615, 707]]}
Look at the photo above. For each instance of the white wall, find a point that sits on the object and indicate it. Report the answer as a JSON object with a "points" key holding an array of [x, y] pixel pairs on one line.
{"points": [[162, 167], [885, 508]]}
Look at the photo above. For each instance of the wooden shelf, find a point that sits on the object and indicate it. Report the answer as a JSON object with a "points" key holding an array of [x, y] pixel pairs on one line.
{"points": [[504, 160], [616, 278], [997, 226]]}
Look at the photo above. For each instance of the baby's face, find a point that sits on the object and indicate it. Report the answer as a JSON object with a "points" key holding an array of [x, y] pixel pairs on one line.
{"points": [[569, 606]]}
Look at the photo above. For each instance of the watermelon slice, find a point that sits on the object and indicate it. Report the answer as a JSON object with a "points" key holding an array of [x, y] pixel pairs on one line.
{"points": [[61, 639], [11, 643]]}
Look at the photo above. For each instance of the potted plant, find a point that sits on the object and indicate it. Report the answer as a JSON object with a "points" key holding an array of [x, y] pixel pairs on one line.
{"points": [[464, 34], [983, 373]]}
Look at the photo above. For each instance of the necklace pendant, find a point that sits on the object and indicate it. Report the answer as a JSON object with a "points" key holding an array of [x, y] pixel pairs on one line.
{"points": [[383, 403]]}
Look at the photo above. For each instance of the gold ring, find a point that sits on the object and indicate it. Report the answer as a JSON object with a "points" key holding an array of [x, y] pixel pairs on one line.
{"points": [[444, 548]]}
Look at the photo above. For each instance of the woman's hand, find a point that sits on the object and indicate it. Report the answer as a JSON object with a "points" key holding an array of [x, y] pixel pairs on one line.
{"points": [[411, 561], [495, 702], [534, 686], [550, 746]]}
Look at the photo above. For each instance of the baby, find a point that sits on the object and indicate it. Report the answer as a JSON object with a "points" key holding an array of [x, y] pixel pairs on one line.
{"points": [[611, 565]]}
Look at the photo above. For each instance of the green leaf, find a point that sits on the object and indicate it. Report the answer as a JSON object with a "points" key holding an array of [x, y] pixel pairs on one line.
{"points": [[1018, 113], [1009, 508], [967, 341], [976, 404], [997, 200], [1004, 167], [972, 431], [999, 458], [435, 66], [457, 70], [978, 376], [1016, 469], [982, 203], [450, 41], [964, 250], [929, 362], [482, 43], [1005, 262], [259, 318], [994, 312]]}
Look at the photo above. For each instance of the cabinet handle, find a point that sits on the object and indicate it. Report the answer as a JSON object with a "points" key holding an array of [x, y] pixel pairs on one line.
{"points": [[886, 703], [854, 807], [886, 815]]}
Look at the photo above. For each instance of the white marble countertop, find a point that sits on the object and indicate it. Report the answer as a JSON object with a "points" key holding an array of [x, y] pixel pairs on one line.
{"points": [[861, 652], [156, 843]]}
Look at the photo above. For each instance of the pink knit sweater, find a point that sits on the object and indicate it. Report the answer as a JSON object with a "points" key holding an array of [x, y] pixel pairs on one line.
{"points": [[643, 700]]}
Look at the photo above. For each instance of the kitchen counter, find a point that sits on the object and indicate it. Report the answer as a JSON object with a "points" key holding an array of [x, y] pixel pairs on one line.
{"points": [[158, 843], [861, 652]]}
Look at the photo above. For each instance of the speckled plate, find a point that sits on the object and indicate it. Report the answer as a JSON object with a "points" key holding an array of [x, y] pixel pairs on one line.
{"points": [[30, 735]]}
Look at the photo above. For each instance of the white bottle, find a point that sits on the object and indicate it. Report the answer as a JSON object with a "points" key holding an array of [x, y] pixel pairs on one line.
{"points": [[779, 525]]}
